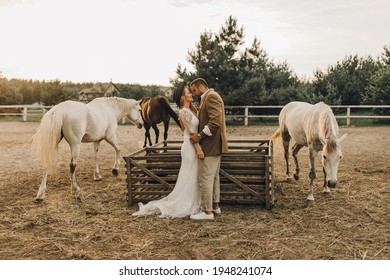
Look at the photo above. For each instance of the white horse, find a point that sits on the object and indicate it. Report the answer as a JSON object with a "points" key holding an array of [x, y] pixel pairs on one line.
{"points": [[312, 126], [78, 122]]}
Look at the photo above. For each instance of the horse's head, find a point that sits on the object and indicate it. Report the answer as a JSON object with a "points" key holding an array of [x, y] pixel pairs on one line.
{"points": [[135, 114], [331, 156]]}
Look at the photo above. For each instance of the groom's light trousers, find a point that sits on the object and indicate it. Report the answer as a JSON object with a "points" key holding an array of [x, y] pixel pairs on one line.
{"points": [[209, 181]]}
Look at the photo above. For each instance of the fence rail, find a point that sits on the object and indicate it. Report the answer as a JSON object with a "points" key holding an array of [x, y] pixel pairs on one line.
{"points": [[24, 111], [247, 114], [27, 111]]}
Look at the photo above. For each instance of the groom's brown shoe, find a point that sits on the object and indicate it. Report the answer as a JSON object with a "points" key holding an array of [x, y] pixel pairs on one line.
{"points": [[202, 216]]}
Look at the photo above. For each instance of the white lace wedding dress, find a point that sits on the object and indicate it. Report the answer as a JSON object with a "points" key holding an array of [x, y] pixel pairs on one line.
{"points": [[184, 199]]}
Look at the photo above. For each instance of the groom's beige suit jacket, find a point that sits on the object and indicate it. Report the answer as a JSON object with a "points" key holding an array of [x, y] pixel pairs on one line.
{"points": [[212, 113]]}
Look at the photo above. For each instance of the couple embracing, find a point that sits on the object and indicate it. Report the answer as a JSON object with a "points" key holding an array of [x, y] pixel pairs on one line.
{"points": [[197, 190]]}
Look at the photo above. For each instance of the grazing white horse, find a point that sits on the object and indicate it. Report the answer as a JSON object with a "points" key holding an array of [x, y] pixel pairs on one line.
{"points": [[78, 122], [312, 126]]}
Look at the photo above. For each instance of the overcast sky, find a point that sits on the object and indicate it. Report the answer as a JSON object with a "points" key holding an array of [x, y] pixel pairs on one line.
{"points": [[142, 41]]}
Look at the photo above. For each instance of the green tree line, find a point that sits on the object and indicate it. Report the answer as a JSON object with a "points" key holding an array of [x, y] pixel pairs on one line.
{"points": [[17, 91], [247, 76], [242, 75]]}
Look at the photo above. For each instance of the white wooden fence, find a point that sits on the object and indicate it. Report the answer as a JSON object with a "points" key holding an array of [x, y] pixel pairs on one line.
{"points": [[247, 114], [28, 111], [24, 111]]}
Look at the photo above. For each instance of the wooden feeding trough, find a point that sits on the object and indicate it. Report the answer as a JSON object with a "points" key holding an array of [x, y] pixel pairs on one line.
{"points": [[246, 175]]}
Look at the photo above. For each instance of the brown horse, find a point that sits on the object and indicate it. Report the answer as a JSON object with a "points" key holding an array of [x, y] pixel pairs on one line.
{"points": [[155, 110]]}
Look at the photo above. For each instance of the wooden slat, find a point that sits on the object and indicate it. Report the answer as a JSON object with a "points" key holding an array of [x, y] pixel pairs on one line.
{"points": [[128, 181], [159, 193], [158, 149], [163, 165], [242, 201], [247, 172], [232, 193], [150, 185], [168, 172], [169, 157], [151, 174], [227, 175], [250, 149], [247, 141], [242, 165], [170, 178], [246, 155], [246, 180], [234, 187]]}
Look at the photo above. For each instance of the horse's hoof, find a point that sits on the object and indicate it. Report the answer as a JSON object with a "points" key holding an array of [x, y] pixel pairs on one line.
{"points": [[115, 172], [296, 177], [99, 178], [310, 198], [38, 200]]}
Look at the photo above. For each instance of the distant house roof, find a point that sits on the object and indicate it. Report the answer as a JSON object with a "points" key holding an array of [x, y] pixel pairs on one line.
{"points": [[111, 89], [168, 91], [99, 90]]}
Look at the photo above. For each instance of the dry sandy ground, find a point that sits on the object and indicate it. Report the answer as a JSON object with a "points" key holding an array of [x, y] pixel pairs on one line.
{"points": [[350, 223]]}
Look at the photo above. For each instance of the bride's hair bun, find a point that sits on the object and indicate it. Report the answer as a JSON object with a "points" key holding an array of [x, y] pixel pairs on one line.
{"points": [[179, 92]]}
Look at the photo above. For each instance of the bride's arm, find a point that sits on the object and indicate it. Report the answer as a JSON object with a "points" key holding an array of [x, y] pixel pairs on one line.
{"points": [[186, 120]]}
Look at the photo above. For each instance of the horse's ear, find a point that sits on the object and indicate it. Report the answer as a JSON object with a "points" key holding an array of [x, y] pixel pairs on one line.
{"points": [[342, 138], [139, 101], [322, 139]]}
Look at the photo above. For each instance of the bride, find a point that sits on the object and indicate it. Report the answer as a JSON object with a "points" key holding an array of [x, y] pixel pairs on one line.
{"points": [[185, 198]]}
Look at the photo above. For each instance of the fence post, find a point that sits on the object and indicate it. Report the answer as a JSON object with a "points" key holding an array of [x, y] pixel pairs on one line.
{"points": [[246, 116], [24, 113], [348, 116]]}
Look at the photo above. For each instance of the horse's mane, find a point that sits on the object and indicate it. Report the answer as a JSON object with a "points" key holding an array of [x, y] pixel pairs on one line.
{"points": [[122, 103], [327, 129], [325, 125]]}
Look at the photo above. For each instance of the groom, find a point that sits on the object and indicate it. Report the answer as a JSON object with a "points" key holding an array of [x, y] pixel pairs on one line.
{"points": [[211, 122]]}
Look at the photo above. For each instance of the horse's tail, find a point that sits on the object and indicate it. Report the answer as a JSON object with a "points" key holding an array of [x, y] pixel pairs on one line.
{"points": [[165, 104], [45, 141], [275, 136]]}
